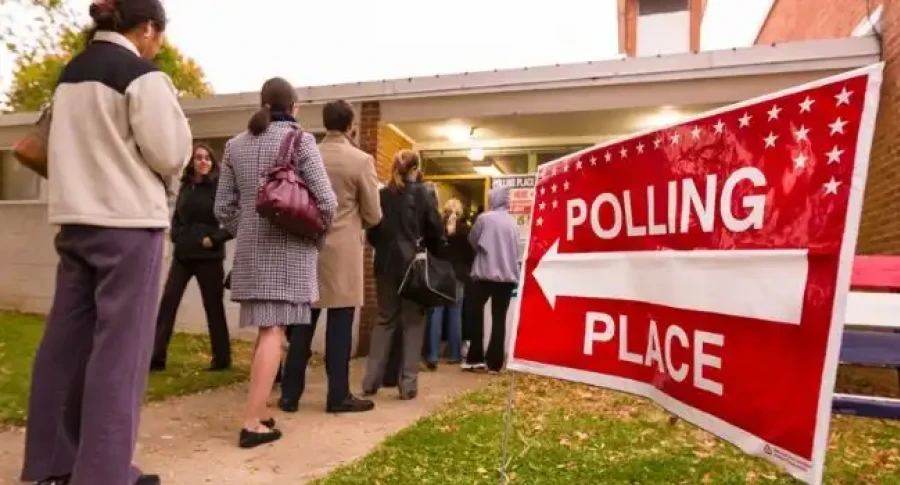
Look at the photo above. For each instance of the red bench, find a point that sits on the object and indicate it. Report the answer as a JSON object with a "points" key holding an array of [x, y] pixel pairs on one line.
{"points": [[870, 337]]}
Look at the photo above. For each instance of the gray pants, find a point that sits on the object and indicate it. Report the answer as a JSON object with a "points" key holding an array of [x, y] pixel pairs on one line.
{"points": [[90, 372], [394, 312]]}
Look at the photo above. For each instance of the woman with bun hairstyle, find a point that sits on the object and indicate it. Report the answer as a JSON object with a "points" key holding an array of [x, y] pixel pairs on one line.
{"points": [[117, 138], [274, 276]]}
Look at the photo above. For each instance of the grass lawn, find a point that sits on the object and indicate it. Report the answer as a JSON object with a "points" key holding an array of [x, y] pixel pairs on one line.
{"points": [[572, 434], [188, 359]]}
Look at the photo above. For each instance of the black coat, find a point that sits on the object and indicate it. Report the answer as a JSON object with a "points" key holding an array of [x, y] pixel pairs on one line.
{"points": [[460, 251], [194, 220], [410, 216]]}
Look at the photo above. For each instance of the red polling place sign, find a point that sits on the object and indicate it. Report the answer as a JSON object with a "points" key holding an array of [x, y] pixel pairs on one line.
{"points": [[706, 265]]}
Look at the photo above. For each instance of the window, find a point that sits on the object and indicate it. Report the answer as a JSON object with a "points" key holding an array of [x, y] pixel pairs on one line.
{"points": [[651, 7], [16, 181]]}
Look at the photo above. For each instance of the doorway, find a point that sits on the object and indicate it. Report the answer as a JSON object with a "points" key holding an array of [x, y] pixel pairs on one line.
{"points": [[470, 190]]}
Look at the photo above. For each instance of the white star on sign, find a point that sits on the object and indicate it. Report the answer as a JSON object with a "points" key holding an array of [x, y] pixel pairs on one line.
{"points": [[555, 203], [838, 126], [695, 133], [554, 169], [540, 221], [607, 157], [623, 152], [831, 186], [542, 206], [657, 142], [676, 138], [774, 112], [593, 161], [806, 105], [802, 133], [640, 148], [745, 120], [543, 190], [720, 127], [579, 164], [553, 188], [565, 167], [800, 161], [566, 185], [843, 97], [770, 140], [834, 156]]}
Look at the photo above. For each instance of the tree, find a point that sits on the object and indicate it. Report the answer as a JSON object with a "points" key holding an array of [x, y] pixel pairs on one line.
{"points": [[39, 61]]}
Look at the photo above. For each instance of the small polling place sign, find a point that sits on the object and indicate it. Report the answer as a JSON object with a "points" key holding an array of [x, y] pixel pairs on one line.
{"points": [[706, 265]]}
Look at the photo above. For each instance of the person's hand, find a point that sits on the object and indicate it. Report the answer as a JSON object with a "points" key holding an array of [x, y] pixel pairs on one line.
{"points": [[207, 242]]}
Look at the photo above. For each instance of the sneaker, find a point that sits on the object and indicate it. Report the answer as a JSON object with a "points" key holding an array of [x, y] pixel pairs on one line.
{"points": [[148, 480], [408, 396], [432, 366], [351, 405], [468, 367]]}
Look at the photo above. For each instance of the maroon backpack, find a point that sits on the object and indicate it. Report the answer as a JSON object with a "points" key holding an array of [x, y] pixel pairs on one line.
{"points": [[284, 198]]}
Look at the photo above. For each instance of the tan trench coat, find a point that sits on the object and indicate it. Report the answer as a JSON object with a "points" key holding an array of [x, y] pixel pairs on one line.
{"points": [[353, 179]]}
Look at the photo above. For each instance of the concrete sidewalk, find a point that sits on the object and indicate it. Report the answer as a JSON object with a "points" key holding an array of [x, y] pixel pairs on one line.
{"points": [[193, 440]]}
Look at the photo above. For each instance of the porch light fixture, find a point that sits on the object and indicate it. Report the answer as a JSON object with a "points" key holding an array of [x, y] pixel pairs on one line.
{"points": [[666, 115], [476, 154], [459, 134]]}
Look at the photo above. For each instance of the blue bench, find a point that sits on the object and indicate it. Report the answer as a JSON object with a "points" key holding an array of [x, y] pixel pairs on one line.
{"points": [[871, 336]]}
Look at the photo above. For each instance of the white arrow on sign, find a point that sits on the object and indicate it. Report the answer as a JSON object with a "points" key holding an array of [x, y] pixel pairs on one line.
{"points": [[766, 284]]}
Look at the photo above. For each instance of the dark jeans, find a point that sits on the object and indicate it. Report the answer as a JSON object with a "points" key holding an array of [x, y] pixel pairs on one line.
{"points": [[210, 275], [500, 295], [338, 345], [90, 371]]}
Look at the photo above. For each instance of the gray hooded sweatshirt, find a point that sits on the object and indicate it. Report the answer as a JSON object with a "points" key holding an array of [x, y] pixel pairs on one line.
{"points": [[495, 238]]}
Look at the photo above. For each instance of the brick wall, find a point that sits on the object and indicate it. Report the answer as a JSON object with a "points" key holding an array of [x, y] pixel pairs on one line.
{"points": [[792, 20], [382, 142], [880, 228]]}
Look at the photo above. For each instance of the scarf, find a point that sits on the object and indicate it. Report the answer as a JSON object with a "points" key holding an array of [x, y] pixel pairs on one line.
{"points": [[282, 116]]}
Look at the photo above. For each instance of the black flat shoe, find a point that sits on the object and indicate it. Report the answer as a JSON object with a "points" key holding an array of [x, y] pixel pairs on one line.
{"points": [[351, 405], [54, 481], [408, 396], [288, 406], [252, 439], [157, 366], [148, 480], [268, 423], [432, 366]]}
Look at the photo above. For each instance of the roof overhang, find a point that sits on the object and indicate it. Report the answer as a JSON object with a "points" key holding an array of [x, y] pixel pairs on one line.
{"points": [[513, 91]]}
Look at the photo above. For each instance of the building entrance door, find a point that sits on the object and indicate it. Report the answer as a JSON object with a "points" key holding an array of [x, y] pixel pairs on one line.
{"points": [[470, 190]]}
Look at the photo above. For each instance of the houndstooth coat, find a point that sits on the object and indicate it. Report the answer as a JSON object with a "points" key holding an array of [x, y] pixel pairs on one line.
{"points": [[270, 264]]}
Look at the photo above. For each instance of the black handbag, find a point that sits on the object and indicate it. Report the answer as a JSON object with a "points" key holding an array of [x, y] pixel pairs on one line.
{"points": [[428, 281]]}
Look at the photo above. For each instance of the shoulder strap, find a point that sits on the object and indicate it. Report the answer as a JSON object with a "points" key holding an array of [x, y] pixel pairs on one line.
{"points": [[286, 150]]}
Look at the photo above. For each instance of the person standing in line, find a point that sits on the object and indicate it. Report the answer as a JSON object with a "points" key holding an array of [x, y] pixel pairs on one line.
{"points": [[410, 218], [460, 254], [495, 272], [355, 183], [274, 277], [199, 251], [117, 135]]}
